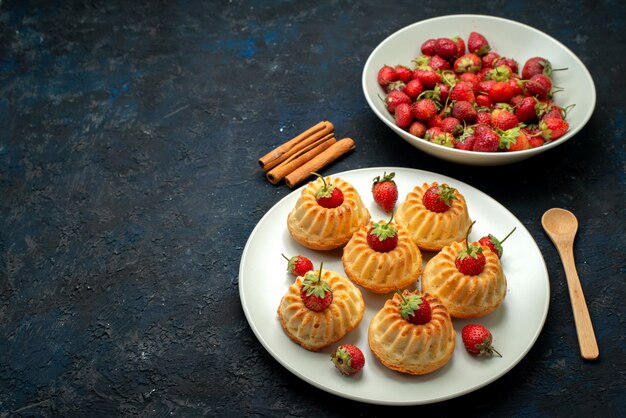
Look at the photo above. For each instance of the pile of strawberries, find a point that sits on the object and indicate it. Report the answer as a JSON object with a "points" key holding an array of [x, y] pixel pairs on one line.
{"points": [[474, 100]]}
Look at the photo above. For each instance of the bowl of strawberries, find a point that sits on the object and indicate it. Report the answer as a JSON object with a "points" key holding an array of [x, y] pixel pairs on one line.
{"points": [[478, 90]]}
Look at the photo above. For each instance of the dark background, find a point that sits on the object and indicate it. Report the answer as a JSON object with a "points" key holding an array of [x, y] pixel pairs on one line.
{"points": [[129, 184]]}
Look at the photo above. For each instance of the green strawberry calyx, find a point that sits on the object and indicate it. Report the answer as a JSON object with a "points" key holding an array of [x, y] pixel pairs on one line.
{"points": [[342, 359], [386, 177], [326, 190], [446, 193], [314, 285], [485, 348], [384, 230], [410, 303]]}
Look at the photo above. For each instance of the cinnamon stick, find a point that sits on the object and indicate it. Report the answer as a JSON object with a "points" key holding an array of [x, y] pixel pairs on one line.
{"points": [[284, 151], [335, 151], [279, 172]]}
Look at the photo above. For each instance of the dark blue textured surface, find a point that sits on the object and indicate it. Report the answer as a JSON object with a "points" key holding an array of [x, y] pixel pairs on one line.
{"points": [[129, 184]]}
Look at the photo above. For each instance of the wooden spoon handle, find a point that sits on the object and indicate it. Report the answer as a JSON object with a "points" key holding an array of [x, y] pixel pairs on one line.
{"points": [[584, 328]]}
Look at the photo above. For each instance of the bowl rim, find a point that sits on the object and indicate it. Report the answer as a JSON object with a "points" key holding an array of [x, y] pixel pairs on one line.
{"points": [[435, 148]]}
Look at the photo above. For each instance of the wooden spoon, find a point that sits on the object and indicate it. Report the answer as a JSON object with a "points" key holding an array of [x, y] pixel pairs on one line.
{"points": [[561, 226]]}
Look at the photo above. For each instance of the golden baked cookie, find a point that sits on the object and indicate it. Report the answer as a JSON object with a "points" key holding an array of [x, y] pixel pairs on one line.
{"points": [[382, 272], [317, 330], [320, 228], [465, 296], [431, 230], [409, 348]]}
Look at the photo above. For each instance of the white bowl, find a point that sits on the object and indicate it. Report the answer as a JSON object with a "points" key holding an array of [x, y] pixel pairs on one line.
{"points": [[506, 37]]}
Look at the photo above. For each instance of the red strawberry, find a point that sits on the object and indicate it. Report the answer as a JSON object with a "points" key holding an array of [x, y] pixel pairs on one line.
{"points": [[483, 100], [544, 80], [428, 48], [403, 73], [298, 265], [403, 115], [460, 44], [486, 140], [464, 111], [483, 118], [554, 111], [417, 129], [494, 244], [414, 307], [348, 359], [316, 293], [452, 125], [438, 198], [386, 75], [485, 85], [424, 109], [432, 132], [446, 48], [503, 119], [427, 76], [516, 86], [465, 142], [501, 91], [434, 122], [553, 128], [394, 98], [535, 141], [477, 340], [538, 65], [525, 110], [535, 89], [513, 140], [413, 88], [489, 58], [443, 90], [462, 91], [477, 44], [471, 260], [439, 64], [382, 236], [468, 63], [328, 196], [385, 191], [509, 62], [472, 79]]}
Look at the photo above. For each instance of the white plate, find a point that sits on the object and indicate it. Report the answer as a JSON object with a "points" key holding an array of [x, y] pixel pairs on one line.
{"points": [[263, 281], [508, 38]]}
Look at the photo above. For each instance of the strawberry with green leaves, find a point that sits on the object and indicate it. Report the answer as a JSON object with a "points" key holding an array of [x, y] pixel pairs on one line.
{"points": [[477, 44], [316, 293], [348, 359], [385, 191], [328, 196], [386, 75], [468, 63], [471, 260], [478, 340], [494, 244], [382, 237], [438, 198], [414, 307], [298, 265], [553, 128]]}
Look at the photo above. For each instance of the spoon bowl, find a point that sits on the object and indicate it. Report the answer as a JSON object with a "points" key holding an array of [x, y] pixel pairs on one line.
{"points": [[561, 226]]}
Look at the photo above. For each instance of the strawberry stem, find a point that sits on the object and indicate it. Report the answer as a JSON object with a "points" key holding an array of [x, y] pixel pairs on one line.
{"points": [[508, 235], [284, 256]]}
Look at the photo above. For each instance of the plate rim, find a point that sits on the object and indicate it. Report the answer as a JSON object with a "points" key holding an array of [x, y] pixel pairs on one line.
{"points": [[315, 383]]}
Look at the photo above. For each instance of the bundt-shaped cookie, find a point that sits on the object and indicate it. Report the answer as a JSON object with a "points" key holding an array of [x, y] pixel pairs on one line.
{"points": [[465, 296], [430, 230], [382, 272], [409, 348], [321, 228], [316, 330]]}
